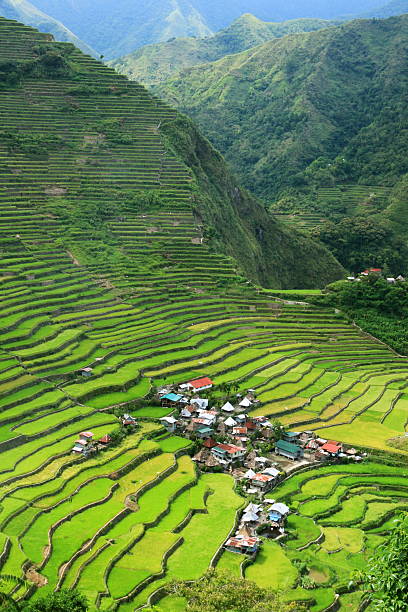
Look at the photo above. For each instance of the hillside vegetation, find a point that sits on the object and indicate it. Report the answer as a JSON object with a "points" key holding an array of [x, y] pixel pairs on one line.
{"points": [[113, 214], [154, 64], [314, 123]]}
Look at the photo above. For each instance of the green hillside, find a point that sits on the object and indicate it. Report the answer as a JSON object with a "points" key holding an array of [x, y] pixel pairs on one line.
{"points": [[24, 11], [153, 64], [113, 212], [313, 123]]}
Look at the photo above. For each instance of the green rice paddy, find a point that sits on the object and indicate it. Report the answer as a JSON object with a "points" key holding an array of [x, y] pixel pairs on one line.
{"points": [[151, 303]]}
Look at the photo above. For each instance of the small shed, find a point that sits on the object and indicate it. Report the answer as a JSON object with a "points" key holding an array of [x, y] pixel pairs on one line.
{"points": [[86, 372]]}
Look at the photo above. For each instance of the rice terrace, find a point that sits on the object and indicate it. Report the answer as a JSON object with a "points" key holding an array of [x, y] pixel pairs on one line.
{"points": [[161, 412]]}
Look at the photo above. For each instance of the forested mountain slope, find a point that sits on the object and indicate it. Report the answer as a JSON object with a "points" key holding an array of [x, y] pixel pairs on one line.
{"points": [[308, 112], [118, 27], [154, 64], [234, 222], [26, 12], [113, 215]]}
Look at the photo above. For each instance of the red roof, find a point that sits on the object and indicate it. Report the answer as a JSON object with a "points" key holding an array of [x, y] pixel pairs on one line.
{"points": [[375, 269], [210, 443], [239, 430], [250, 425], [331, 447], [86, 434], [262, 477], [231, 448], [201, 382], [242, 542], [105, 439]]}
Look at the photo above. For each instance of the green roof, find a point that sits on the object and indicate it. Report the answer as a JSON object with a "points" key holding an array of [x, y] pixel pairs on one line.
{"points": [[287, 446]]}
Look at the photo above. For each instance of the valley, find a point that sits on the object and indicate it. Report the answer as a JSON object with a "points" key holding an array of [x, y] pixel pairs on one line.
{"points": [[133, 261]]}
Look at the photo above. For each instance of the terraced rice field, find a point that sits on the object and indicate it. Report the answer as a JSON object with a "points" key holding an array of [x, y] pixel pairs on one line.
{"points": [[144, 301], [339, 516], [350, 199]]}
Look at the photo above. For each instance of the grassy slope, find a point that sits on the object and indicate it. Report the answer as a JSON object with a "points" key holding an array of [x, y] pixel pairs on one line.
{"points": [[154, 64]]}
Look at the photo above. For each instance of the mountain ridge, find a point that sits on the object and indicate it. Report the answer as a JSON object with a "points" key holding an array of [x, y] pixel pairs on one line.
{"points": [[118, 27], [153, 64]]}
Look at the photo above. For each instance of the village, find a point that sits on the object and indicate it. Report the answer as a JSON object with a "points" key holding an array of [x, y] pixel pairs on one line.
{"points": [[257, 452]]}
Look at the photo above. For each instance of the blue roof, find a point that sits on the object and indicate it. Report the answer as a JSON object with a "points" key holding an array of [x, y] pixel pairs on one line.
{"points": [[173, 397], [275, 516]]}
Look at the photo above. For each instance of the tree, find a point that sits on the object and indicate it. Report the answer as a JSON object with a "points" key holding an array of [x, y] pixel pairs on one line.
{"points": [[61, 601], [7, 601], [219, 591], [386, 578]]}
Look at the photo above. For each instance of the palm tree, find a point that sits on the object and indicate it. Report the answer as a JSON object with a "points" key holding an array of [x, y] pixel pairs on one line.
{"points": [[5, 598]]}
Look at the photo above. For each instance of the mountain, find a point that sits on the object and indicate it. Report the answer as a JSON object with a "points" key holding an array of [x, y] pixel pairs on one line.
{"points": [[107, 111], [309, 113], [118, 27], [395, 7], [24, 11], [154, 64]]}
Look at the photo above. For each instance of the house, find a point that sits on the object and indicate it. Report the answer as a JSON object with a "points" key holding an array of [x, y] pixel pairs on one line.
{"points": [[171, 399], [228, 453], [271, 471], [208, 415], [249, 474], [128, 420], [230, 422], [240, 432], [105, 440], [263, 482], [209, 443], [250, 517], [197, 423], [280, 508], [78, 449], [186, 412], [199, 403], [200, 384], [85, 437], [242, 545], [245, 403], [228, 407], [391, 280], [86, 372], [291, 436], [169, 422], [204, 432], [332, 447], [286, 449]]}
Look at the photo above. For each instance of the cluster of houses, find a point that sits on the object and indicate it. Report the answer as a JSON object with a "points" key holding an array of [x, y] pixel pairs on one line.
{"points": [[86, 445], [225, 433], [375, 272], [267, 518]]}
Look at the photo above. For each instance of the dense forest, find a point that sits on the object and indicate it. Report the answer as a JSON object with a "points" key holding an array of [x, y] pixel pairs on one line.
{"points": [[377, 306]]}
